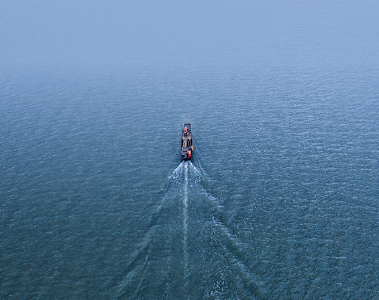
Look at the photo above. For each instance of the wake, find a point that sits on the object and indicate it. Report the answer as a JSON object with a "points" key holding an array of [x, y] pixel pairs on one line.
{"points": [[187, 251], [185, 225]]}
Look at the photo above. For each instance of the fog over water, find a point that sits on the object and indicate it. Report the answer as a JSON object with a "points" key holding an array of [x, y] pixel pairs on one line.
{"points": [[189, 32]]}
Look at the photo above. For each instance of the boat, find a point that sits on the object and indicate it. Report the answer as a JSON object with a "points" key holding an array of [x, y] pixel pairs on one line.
{"points": [[187, 147]]}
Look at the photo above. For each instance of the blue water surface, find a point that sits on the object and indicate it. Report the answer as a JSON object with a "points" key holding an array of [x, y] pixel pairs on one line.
{"points": [[279, 202]]}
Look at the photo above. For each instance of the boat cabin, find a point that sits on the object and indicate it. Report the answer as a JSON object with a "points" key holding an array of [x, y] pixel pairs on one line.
{"points": [[187, 147]]}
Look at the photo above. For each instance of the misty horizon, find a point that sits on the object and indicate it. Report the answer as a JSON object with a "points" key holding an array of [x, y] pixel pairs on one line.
{"points": [[193, 32]]}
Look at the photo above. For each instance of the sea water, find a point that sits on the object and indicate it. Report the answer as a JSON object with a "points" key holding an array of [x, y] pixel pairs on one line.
{"points": [[280, 200]]}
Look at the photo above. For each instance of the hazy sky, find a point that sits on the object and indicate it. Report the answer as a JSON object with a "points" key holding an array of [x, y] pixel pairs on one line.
{"points": [[187, 32]]}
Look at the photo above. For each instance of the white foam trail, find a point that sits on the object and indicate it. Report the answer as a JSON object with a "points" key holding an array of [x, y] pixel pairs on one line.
{"points": [[185, 222], [178, 168], [197, 173], [174, 178]]}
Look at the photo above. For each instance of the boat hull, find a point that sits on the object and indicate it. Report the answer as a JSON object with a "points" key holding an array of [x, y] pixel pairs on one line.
{"points": [[187, 147]]}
